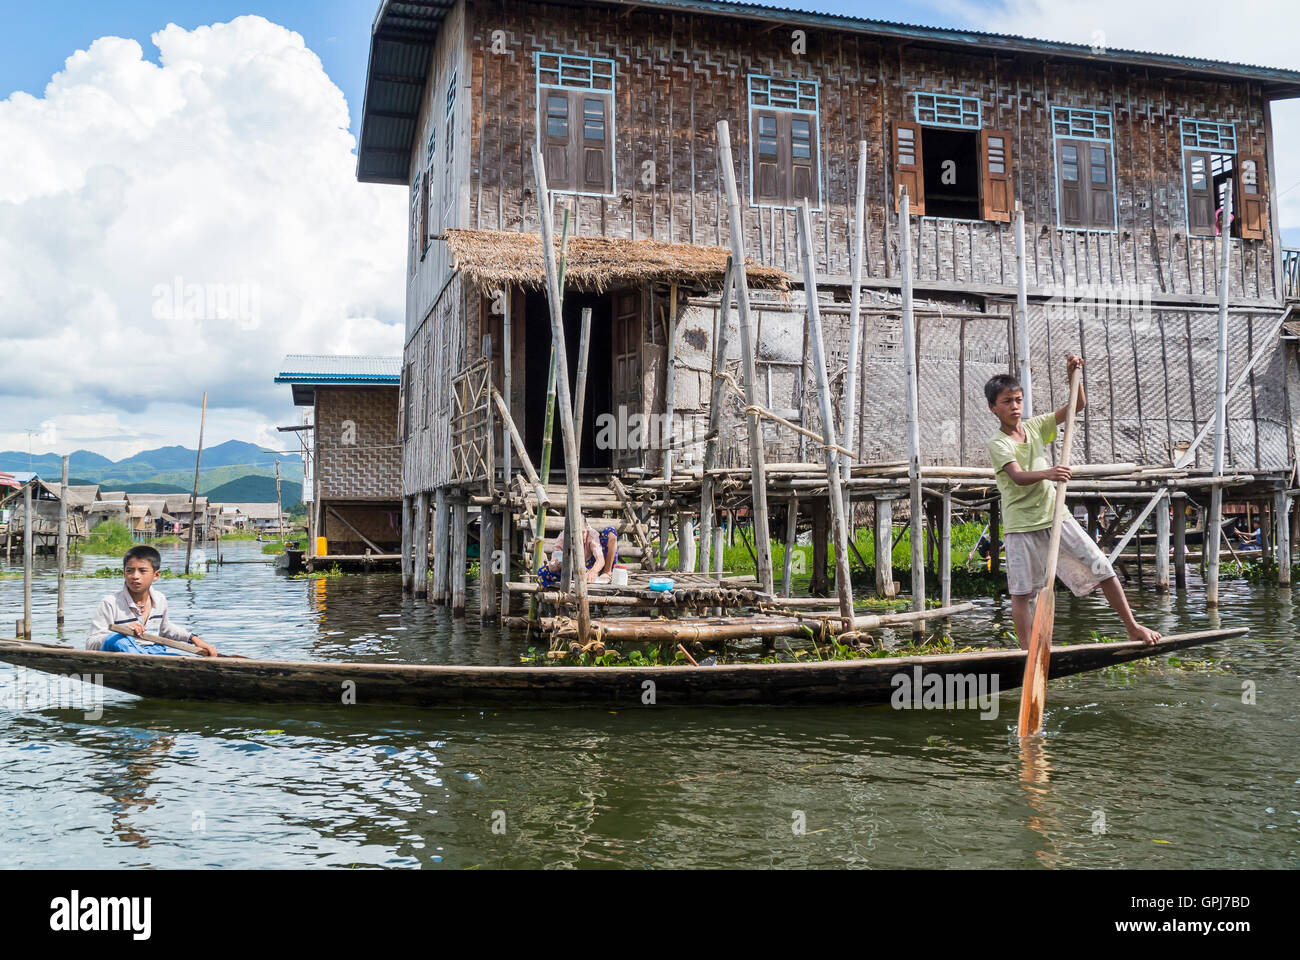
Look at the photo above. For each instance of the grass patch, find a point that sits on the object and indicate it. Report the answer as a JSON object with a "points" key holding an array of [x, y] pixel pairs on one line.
{"points": [[111, 536]]}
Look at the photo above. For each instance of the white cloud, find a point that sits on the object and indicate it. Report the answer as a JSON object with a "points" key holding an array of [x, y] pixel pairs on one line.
{"points": [[220, 180], [1260, 33]]}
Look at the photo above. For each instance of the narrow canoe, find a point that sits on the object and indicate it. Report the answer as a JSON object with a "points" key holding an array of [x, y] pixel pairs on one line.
{"points": [[867, 681]]}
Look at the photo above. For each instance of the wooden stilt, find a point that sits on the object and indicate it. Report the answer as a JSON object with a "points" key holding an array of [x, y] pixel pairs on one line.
{"points": [[573, 513], [685, 542], [29, 542], [855, 312], [507, 454], [487, 558], [459, 545], [758, 472], [1162, 545], [818, 585], [995, 536], [1093, 522], [1215, 518], [791, 530], [441, 546], [913, 416], [420, 584], [408, 564], [884, 547], [670, 398], [839, 528], [1180, 544], [1282, 538], [63, 541], [945, 550], [708, 511], [1022, 316]]}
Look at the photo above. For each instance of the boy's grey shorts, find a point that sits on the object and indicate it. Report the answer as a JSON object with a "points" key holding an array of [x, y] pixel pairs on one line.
{"points": [[1081, 565]]}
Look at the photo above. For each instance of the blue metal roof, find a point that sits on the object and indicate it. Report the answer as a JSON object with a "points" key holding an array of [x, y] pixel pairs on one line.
{"points": [[325, 369]]}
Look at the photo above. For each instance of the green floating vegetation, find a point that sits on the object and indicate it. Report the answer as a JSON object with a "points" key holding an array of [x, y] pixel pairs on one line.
{"points": [[111, 536], [333, 571]]}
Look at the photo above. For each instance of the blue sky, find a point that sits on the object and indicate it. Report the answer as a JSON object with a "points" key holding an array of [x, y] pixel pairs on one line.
{"points": [[38, 37]]}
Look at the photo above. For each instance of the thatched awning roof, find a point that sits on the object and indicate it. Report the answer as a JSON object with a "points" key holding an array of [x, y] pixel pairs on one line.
{"points": [[488, 258]]}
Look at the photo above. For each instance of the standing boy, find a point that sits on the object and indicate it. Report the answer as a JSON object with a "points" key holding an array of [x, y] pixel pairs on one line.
{"points": [[138, 609], [1027, 485]]}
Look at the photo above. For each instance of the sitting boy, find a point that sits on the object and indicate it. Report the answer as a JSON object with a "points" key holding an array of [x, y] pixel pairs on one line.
{"points": [[602, 554], [138, 609], [1027, 486]]}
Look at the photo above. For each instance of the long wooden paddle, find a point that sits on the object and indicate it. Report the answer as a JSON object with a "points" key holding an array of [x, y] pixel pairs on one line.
{"points": [[182, 645], [1033, 695]]}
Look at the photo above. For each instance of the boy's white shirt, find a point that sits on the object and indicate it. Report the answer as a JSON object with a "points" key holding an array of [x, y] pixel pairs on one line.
{"points": [[118, 609]]}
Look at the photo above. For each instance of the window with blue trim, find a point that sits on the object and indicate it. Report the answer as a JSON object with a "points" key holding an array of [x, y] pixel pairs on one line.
{"points": [[449, 184], [575, 122], [1209, 173], [946, 110], [785, 149], [1085, 168]]}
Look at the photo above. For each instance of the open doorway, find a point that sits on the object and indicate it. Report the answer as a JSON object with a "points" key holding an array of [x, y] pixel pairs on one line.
{"points": [[952, 173], [1209, 178], [537, 354]]}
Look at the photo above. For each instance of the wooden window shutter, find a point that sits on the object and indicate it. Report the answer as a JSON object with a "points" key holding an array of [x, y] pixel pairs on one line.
{"points": [[1101, 187], [1199, 184], [597, 171], [555, 115], [767, 154], [1252, 196], [909, 169], [803, 158], [1071, 191], [996, 189]]}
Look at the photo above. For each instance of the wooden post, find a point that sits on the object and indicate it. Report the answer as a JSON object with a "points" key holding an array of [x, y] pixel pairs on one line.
{"points": [[913, 418], [1266, 531], [28, 552], [1282, 537], [420, 586], [708, 510], [1215, 519], [884, 547], [459, 545], [194, 497], [945, 549], [487, 593], [817, 583], [666, 435], [1022, 314], [1180, 543], [580, 388], [685, 542], [855, 309], [279, 504], [63, 541], [718, 551], [1093, 522], [408, 561], [573, 522], [791, 529], [758, 469], [1162, 545], [441, 545], [507, 459], [839, 530]]}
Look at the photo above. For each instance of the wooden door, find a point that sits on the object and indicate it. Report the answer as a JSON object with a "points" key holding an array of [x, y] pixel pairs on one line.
{"points": [[626, 374]]}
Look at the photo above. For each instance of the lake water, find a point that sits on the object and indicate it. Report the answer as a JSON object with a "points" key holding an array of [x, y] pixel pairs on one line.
{"points": [[1158, 766]]}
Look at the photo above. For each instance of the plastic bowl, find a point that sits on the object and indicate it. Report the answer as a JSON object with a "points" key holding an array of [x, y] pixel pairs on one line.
{"points": [[662, 584]]}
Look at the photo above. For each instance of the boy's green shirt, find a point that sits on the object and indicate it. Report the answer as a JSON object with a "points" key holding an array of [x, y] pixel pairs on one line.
{"points": [[1029, 507]]}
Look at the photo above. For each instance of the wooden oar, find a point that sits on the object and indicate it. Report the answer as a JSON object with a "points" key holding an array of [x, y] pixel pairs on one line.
{"points": [[182, 645], [1034, 691]]}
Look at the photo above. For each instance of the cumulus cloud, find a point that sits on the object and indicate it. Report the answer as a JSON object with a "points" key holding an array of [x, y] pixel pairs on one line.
{"points": [[1197, 28], [173, 227]]}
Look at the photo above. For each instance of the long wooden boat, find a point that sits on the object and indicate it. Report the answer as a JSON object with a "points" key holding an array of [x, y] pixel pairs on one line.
{"points": [[865, 681]]}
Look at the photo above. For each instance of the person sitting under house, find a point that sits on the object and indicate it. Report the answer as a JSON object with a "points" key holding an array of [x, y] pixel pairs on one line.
{"points": [[601, 553], [1255, 538], [138, 609]]}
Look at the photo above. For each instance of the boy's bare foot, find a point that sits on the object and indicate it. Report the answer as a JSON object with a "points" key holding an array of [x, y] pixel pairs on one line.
{"points": [[1145, 634]]}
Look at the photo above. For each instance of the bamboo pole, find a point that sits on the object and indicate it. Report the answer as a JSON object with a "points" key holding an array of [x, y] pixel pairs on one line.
{"points": [[574, 520], [855, 304], [913, 418], [670, 397], [279, 504], [884, 530], [194, 497], [28, 552], [758, 478], [707, 508], [791, 529], [1022, 314], [63, 542], [507, 453], [1220, 408], [839, 529], [945, 550]]}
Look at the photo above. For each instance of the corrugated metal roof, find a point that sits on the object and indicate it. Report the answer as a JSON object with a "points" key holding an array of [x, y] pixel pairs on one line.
{"points": [[403, 33], [325, 368]]}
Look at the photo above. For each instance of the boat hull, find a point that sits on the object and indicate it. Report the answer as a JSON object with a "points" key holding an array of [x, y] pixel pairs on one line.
{"points": [[866, 681]]}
